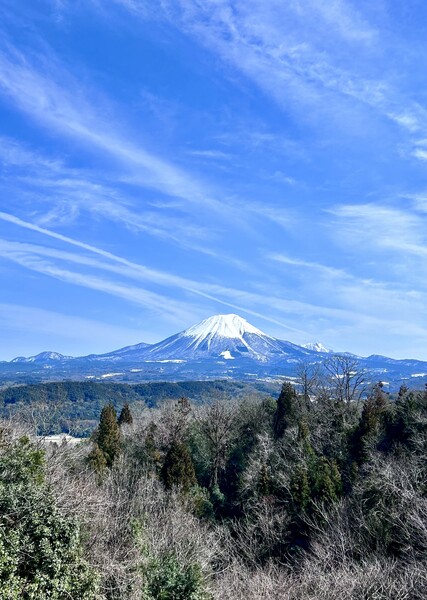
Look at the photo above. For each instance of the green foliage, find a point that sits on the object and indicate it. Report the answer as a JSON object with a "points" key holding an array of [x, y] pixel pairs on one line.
{"points": [[287, 410], [304, 439], [40, 551], [97, 460], [151, 456], [406, 425], [317, 481], [108, 434], [20, 463], [264, 485], [77, 404], [167, 579], [300, 489], [178, 468], [274, 499], [202, 504], [326, 483], [217, 498], [369, 427], [125, 417]]}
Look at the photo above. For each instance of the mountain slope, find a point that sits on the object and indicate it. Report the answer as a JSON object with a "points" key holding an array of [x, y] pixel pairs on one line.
{"points": [[223, 346], [42, 357], [226, 336]]}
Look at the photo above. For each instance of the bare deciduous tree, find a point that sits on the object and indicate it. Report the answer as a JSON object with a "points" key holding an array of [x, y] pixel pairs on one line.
{"points": [[347, 381], [217, 423], [308, 379]]}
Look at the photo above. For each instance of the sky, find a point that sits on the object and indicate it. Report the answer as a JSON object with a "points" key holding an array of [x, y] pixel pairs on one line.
{"points": [[164, 161]]}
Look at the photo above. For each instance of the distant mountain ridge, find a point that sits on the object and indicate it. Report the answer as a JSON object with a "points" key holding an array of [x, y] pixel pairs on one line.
{"points": [[210, 338], [317, 347], [222, 346], [42, 357]]}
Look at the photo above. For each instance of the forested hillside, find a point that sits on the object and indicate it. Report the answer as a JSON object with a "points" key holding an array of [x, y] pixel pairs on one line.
{"points": [[74, 406], [304, 497]]}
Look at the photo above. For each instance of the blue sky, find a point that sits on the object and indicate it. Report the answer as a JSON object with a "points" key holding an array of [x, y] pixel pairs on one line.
{"points": [[164, 161]]}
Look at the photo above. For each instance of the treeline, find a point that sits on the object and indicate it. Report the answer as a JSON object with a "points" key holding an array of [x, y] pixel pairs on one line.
{"points": [[319, 494], [74, 406]]}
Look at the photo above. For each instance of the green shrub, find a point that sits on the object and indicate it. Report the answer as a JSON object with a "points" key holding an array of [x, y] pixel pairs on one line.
{"points": [[40, 550], [167, 579]]}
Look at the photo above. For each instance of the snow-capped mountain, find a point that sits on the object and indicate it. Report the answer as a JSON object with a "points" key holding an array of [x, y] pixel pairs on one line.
{"points": [[226, 336], [135, 351], [42, 357], [222, 346], [317, 347]]}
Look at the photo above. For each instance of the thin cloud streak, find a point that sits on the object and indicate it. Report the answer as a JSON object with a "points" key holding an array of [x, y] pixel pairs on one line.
{"points": [[24, 254], [283, 49], [383, 227], [223, 295], [54, 106]]}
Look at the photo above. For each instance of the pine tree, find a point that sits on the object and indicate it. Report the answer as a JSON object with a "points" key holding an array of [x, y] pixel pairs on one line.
{"points": [[108, 434], [125, 417], [178, 468], [287, 410]]}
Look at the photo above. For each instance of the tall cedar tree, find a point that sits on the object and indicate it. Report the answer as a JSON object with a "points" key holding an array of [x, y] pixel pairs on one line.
{"points": [[369, 425], [108, 435], [125, 417], [178, 468], [97, 460], [287, 410]]}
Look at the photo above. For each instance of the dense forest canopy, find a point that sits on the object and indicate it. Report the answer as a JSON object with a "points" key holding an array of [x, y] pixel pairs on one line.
{"points": [[317, 493], [74, 406]]}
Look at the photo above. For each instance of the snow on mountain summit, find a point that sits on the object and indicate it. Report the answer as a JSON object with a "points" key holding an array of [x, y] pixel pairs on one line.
{"points": [[225, 326], [42, 357], [317, 347], [223, 337]]}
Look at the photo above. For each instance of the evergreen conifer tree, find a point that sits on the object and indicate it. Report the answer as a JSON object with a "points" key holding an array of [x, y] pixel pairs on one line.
{"points": [[97, 459], [108, 434], [287, 410], [300, 489], [326, 480], [178, 468], [405, 419], [304, 438], [369, 425], [125, 417]]}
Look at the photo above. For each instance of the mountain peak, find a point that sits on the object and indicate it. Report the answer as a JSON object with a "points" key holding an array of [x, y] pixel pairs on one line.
{"points": [[42, 357], [317, 347], [225, 326]]}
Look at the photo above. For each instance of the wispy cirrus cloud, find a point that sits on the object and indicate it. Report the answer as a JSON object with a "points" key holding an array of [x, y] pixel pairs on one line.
{"points": [[383, 227], [21, 321], [64, 107], [29, 255], [159, 304], [303, 55], [296, 262], [63, 194], [353, 303], [244, 300]]}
